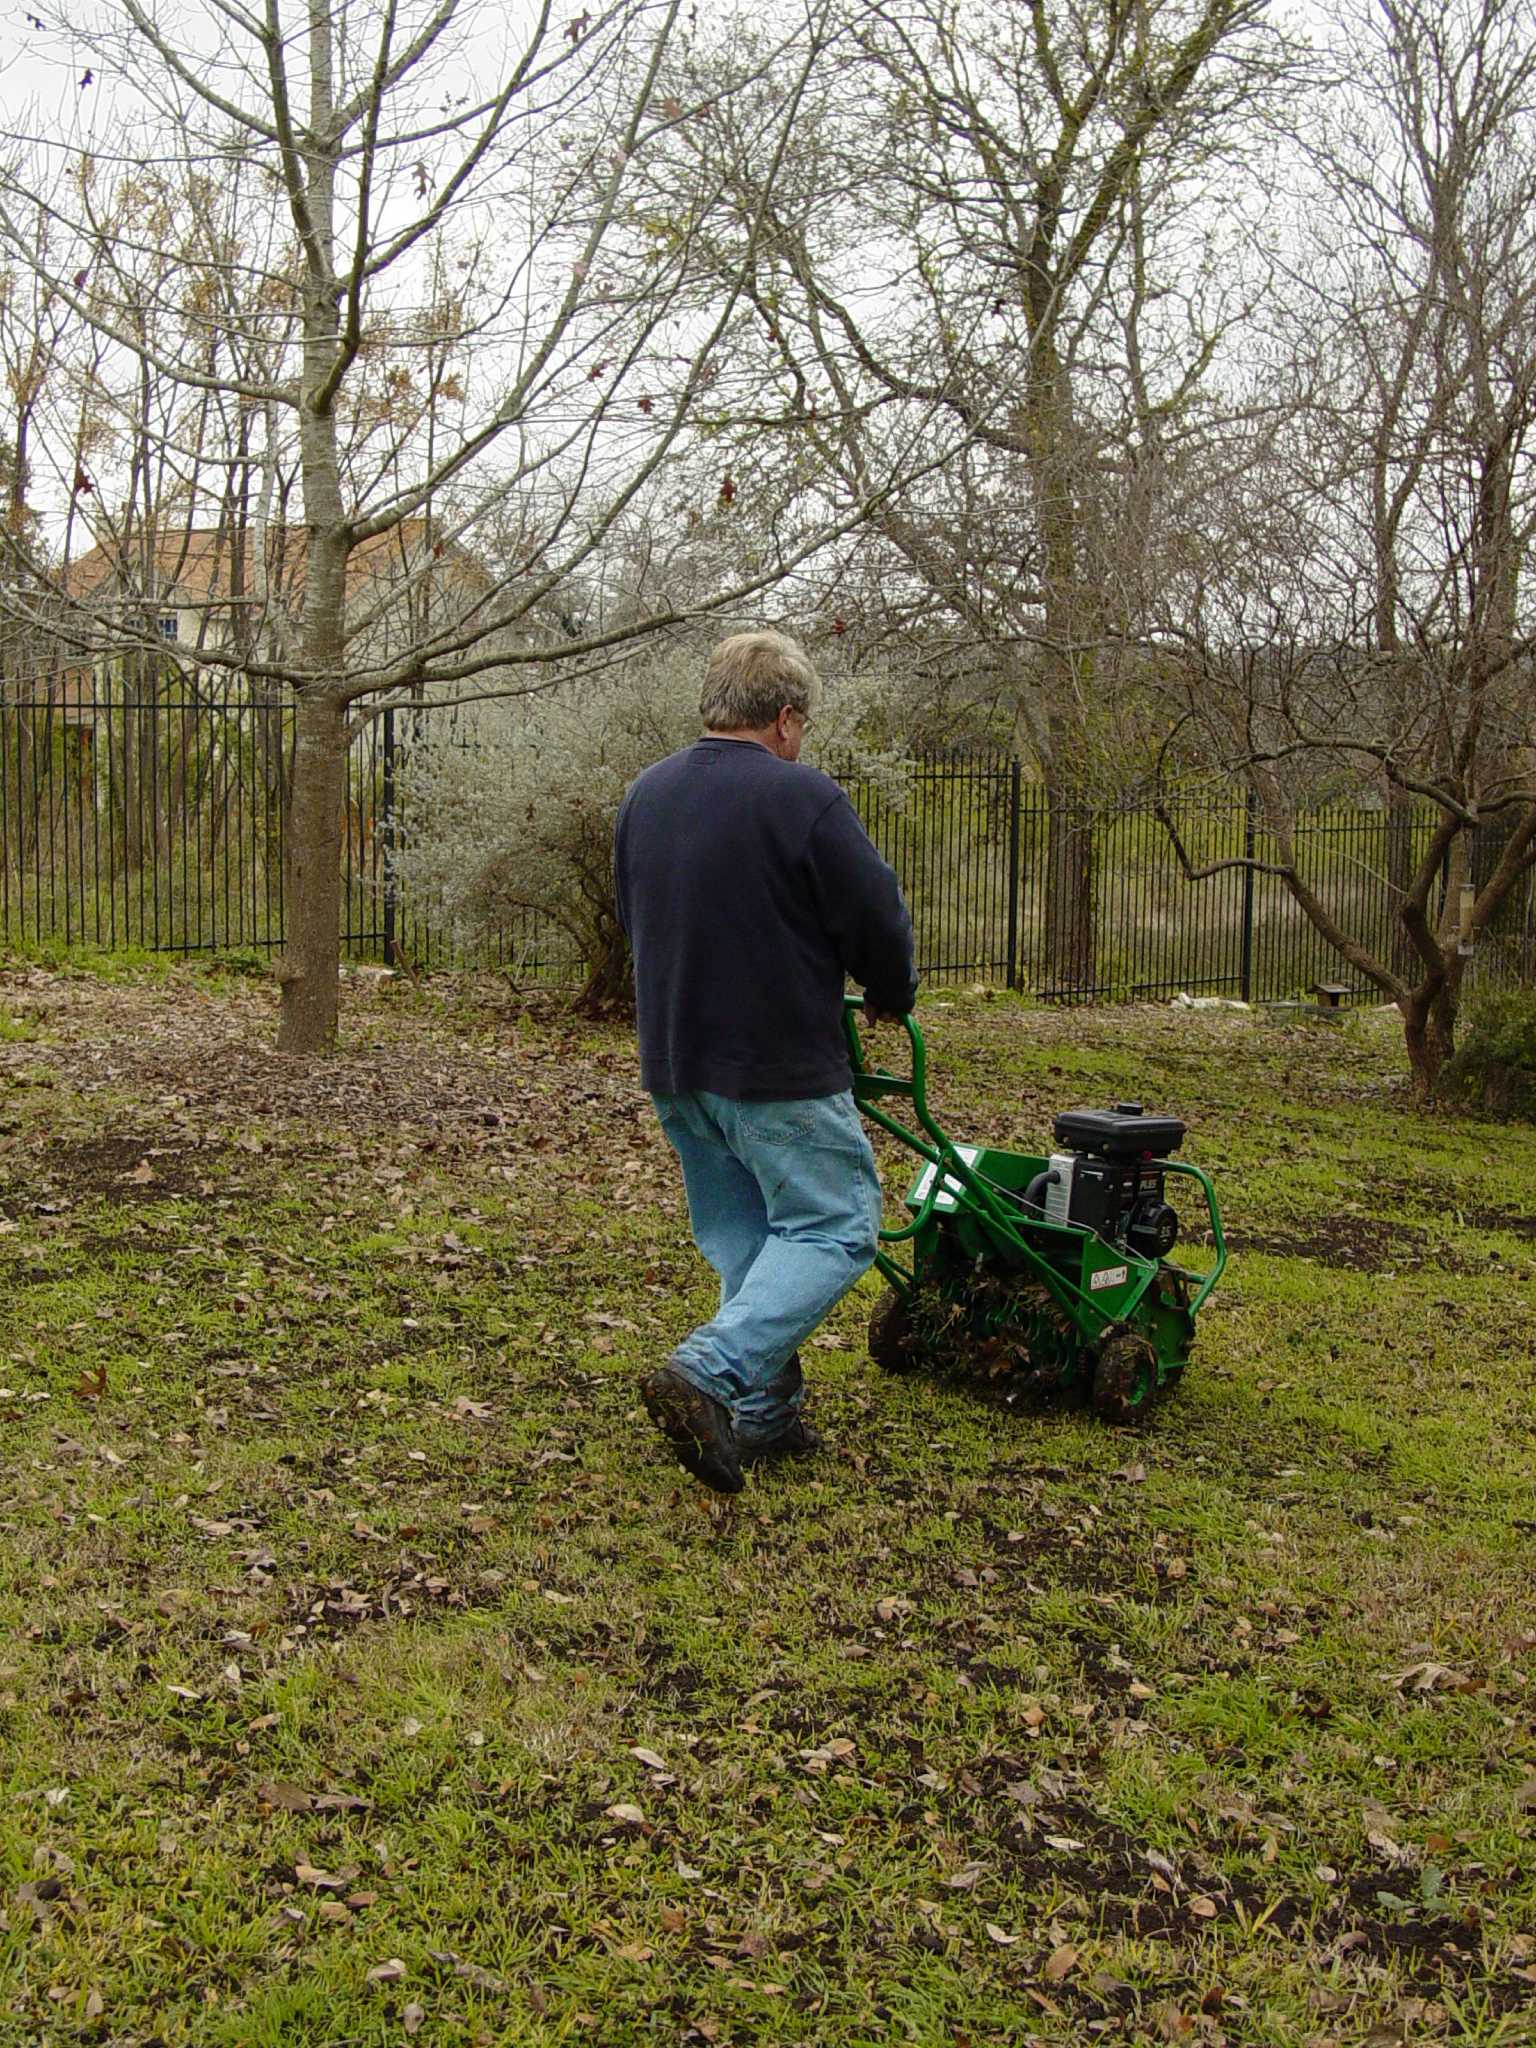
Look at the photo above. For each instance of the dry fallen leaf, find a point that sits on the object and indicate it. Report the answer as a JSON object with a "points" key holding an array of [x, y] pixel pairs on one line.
{"points": [[472, 1973], [1203, 1908], [1060, 1964], [1431, 1677], [39, 1896], [389, 1972], [629, 1816], [995, 1933], [286, 1797], [412, 2017], [649, 1758]]}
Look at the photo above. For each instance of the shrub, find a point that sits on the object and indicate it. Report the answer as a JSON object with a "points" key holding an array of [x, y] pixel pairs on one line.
{"points": [[1494, 1064], [509, 809]]}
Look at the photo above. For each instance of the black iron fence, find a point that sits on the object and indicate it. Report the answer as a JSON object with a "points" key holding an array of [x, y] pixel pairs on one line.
{"points": [[973, 840], [155, 821]]}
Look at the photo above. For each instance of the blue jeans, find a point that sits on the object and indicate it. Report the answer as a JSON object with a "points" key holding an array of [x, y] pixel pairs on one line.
{"points": [[785, 1204]]}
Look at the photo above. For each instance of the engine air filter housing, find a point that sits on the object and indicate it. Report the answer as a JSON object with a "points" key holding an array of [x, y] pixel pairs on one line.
{"points": [[1120, 1134]]}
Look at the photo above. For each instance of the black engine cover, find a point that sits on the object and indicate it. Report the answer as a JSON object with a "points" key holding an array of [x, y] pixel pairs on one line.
{"points": [[1111, 1134]]}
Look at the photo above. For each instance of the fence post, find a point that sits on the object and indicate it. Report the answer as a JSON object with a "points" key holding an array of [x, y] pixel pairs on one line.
{"points": [[1015, 800], [1250, 844], [387, 839]]}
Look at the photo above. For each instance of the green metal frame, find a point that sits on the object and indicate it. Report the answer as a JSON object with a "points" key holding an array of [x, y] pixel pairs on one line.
{"points": [[1009, 1237]]}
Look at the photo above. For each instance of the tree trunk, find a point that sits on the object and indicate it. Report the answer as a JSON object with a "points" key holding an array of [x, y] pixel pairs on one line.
{"points": [[312, 908], [1446, 1012], [609, 989], [1068, 679], [1401, 865], [1429, 1024], [1424, 1058], [308, 968], [1070, 938], [608, 992]]}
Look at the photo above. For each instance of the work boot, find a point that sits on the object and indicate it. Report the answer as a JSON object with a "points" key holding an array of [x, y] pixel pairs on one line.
{"points": [[696, 1425], [799, 1440]]}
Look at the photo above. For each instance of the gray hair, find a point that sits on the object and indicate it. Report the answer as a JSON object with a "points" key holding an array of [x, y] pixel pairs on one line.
{"points": [[752, 677]]}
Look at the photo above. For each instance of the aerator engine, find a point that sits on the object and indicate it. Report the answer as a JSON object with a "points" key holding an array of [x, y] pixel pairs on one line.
{"points": [[1108, 1177]]}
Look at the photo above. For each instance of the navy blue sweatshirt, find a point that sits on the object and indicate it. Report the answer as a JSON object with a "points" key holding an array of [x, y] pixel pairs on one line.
{"points": [[750, 891]]}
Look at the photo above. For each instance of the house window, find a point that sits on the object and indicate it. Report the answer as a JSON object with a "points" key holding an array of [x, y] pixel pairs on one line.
{"points": [[167, 625]]}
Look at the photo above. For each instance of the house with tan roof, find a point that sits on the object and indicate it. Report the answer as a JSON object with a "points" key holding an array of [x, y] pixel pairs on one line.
{"points": [[215, 590]]}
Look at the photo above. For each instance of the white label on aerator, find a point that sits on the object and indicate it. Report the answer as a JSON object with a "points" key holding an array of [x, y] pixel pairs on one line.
{"points": [[1111, 1276], [946, 1195]]}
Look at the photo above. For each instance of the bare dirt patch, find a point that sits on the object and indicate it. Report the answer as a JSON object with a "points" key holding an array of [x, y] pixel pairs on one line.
{"points": [[122, 1166], [1358, 1244]]}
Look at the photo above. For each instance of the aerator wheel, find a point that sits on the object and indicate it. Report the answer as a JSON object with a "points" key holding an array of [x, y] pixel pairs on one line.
{"points": [[1125, 1378], [892, 1340]]}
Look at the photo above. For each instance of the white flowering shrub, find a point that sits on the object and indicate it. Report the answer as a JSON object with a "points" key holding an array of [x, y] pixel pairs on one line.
{"points": [[509, 806]]}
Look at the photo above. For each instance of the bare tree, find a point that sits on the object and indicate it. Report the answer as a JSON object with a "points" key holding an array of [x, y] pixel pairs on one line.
{"points": [[1361, 619], [1018, 220], [401, 306]]}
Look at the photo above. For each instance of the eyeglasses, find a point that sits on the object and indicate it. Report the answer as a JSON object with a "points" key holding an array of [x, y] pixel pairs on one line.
{"points": [[806, 721]]}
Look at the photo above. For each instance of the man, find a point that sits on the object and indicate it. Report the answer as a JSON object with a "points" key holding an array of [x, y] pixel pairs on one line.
{"points": [[750, 891]]}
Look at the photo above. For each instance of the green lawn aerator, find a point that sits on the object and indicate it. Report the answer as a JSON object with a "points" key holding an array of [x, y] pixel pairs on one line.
{"points": [[1029, 1273]]}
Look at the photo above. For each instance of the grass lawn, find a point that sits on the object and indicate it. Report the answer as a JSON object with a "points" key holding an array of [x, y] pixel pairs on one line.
{"points": [[367, 1672]]}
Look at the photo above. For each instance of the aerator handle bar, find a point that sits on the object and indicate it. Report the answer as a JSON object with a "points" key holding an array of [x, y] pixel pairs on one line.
{"points": [[1206, 1280], [870, 1083]]}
